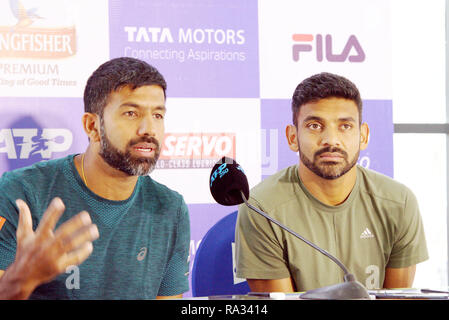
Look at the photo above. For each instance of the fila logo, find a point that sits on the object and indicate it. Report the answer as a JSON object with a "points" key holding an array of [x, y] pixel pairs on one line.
{"points": [[366, 234], [323, 49]]}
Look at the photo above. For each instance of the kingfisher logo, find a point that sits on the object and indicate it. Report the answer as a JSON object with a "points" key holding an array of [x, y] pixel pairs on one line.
{"points": [[195, 150], [26, 40], [25, 143], [304, 43]]}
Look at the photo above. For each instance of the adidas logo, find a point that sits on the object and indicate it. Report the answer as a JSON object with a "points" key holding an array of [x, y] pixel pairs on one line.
{"points": [[366, 234]]}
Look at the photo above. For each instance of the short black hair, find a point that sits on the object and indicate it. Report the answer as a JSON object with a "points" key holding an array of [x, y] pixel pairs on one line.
{"points": [[116, 74], [321, 86]]}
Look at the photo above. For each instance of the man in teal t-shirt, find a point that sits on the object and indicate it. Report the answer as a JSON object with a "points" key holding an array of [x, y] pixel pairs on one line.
{"points": [[96, 225]]}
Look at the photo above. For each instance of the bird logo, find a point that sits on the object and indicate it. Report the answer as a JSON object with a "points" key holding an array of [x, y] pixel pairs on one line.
{"points": [[25, 17]]}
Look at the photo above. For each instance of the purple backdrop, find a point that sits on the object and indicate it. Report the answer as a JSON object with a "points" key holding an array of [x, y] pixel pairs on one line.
{"points": [[203, 48]]}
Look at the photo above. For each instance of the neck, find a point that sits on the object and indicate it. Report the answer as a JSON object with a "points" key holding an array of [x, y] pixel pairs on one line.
{"points": [[330, 192], [102, 179]]}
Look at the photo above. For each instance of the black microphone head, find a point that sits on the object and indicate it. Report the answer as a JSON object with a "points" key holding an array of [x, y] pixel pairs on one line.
{"points": [[226, 181]]}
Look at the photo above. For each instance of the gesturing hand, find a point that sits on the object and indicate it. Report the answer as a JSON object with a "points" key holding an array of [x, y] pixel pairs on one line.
{"points": [[45, 253]]}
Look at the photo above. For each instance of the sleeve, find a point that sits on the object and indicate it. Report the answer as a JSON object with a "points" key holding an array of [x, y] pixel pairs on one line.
{"points": [[9, 218], [176, 277], [410, 245], [12, 188], [259, 250], [7, 239]]}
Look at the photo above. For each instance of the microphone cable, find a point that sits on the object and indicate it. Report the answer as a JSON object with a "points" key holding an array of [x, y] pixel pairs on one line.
{"points": [[347, 275]]}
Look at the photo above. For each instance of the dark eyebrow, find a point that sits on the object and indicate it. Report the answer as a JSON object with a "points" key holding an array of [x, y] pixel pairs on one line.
{"points": [[312, 118], [135, 105], [347, 119], [315, 118], [161, 108]]}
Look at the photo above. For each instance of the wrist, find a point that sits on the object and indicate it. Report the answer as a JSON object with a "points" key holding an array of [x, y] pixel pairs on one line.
{"points": [[14, 285]]}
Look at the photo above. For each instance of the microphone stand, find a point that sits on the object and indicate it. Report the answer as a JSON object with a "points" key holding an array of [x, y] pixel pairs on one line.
{"points": [[349, 289]]}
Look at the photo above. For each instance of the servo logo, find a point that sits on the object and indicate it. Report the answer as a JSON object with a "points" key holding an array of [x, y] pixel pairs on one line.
{"points": [[195, 150], [25, 40], [323, 47]]}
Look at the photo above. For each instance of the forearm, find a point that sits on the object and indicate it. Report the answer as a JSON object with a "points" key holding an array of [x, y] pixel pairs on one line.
{"points": [[399, 277], [273, 285]]}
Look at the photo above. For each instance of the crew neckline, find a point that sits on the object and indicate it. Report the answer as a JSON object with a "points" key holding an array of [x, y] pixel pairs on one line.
{"points": [[92, 194], [322, 206]]}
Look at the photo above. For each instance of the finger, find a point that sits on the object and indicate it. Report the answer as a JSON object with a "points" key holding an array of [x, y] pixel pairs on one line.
{"points": [[84, 235], [51, 216], [25, 226], [78, 256], [73, 225]]}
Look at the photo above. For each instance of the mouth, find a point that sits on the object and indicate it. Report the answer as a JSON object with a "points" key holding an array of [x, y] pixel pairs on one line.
{"points": [[331, 157], [144, 149]]}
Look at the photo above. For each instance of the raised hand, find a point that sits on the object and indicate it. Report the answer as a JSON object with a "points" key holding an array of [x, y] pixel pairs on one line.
{"points": [[43, 254]]}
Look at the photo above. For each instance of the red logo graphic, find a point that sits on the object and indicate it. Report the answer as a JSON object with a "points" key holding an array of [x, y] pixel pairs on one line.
{"points": [[195, 150], [307, 43]]}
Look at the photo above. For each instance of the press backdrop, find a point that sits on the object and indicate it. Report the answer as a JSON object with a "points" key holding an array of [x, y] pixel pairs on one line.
{"points": [[231, 68]]}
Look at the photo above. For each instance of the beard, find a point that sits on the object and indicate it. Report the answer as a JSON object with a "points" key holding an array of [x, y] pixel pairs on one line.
{"points": [[329, 170], [124, 161]]}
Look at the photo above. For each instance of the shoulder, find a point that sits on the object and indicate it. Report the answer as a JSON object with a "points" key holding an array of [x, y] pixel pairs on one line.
{"points": [[166, 199], [35, 175], [277, 189], [160, 190], [383, 187]]}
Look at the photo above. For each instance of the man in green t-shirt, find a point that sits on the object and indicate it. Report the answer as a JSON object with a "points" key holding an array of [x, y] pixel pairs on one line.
{"points": [[96, 225], [367, 220]]}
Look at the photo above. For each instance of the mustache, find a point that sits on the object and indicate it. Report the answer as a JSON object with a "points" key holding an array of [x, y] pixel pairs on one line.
{"points": [[332, 150], [144, 139]]}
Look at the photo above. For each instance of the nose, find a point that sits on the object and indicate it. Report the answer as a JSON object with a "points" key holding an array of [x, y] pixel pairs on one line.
{"points": [[146, 127], [330, 137]]}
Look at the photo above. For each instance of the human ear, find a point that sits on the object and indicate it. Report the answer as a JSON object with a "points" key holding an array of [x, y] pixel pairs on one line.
{"points": [[364, 136], [91, 125], [292, 137]]}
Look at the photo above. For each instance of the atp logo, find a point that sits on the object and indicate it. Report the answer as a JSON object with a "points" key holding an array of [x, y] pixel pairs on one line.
{"points": [[24, 143], [324, 48]]}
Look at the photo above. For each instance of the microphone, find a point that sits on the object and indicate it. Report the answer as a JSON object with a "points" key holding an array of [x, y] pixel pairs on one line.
{"points": [[227, 180], [229, 186]]}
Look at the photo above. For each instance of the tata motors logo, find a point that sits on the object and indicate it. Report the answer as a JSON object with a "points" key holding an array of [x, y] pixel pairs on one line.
{"points": [[24, 143], [215, 44], [195, 150], [32, 36], [185, 35], [323, 47]]}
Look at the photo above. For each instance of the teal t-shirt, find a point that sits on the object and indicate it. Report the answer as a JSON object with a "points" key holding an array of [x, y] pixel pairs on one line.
{"points": [[143, 248]]}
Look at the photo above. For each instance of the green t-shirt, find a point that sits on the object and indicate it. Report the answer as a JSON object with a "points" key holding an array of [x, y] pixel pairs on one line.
{"points": [[378, 226], [143, 248]]}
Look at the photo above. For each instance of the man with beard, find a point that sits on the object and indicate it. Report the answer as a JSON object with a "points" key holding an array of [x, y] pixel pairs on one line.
{"points": [[53, 211], [368, 221]]}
